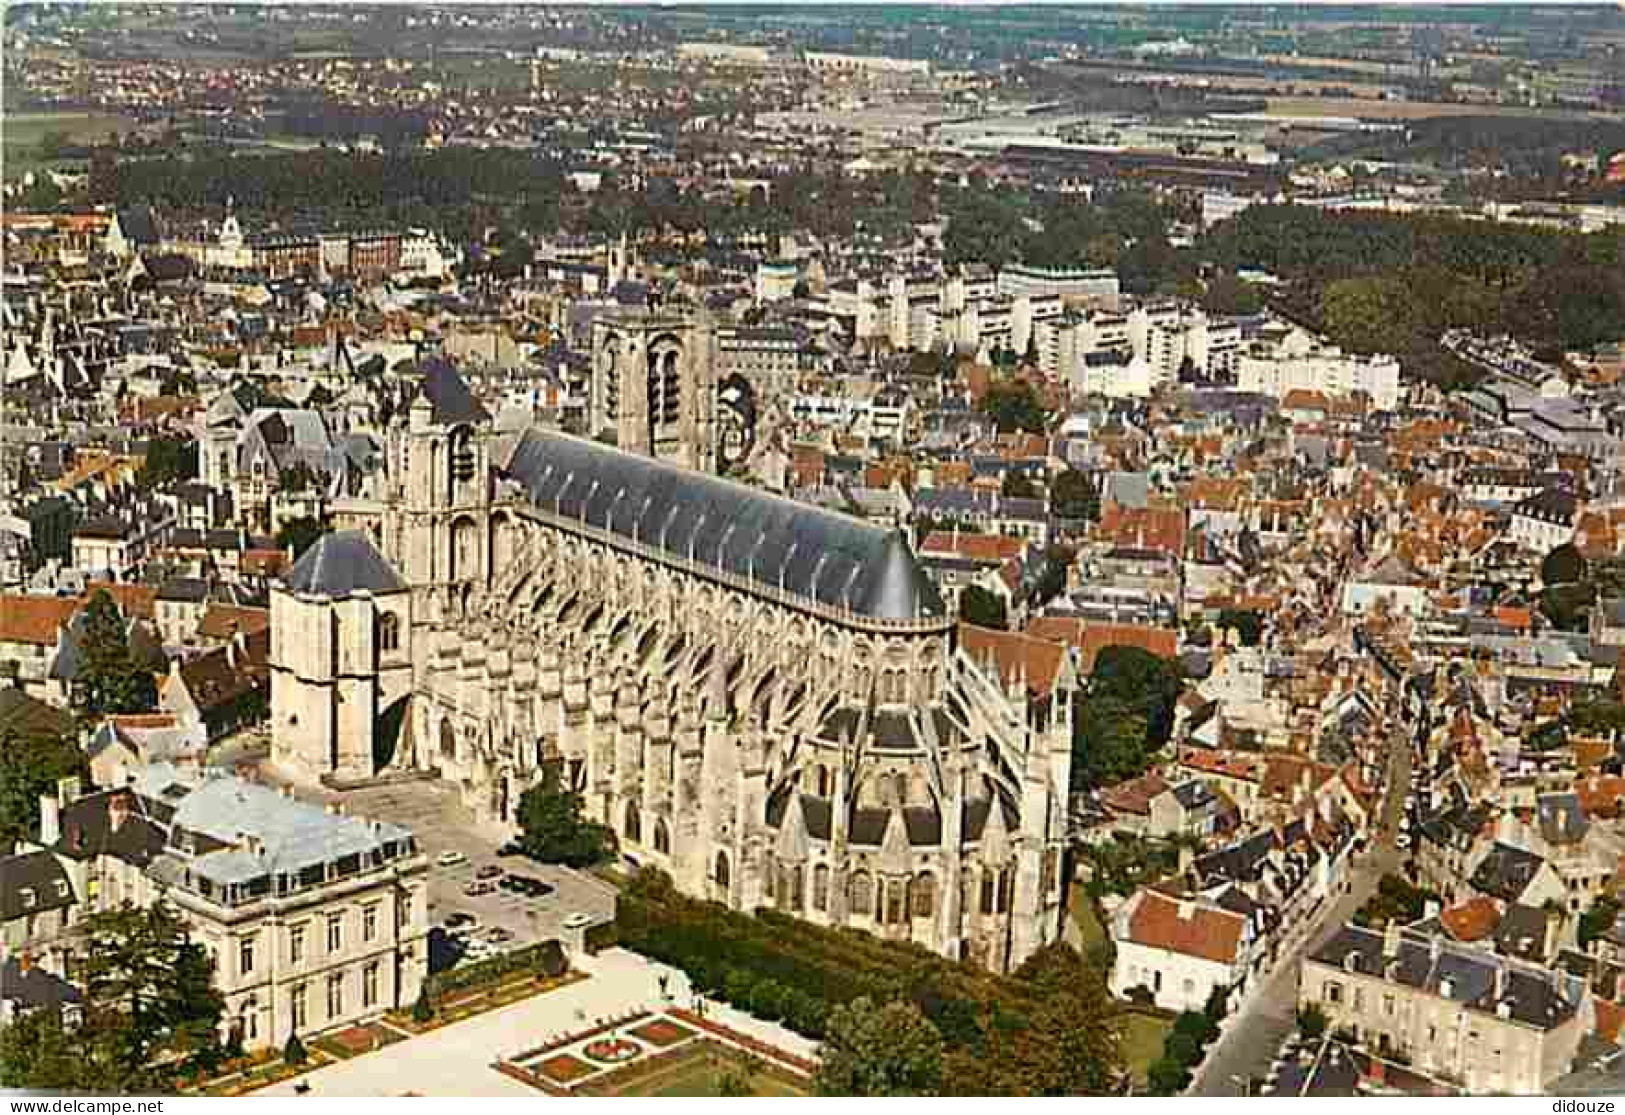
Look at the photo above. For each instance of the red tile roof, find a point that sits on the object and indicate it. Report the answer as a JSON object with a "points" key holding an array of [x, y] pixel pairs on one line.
{"points": [[1190, 927], [991, 548], [34, 619], [1092, 638], [1014, 652], [1473, 920]]}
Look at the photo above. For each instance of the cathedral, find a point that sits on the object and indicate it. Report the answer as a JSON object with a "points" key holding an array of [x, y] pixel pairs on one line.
{"points": [[765, 699]]}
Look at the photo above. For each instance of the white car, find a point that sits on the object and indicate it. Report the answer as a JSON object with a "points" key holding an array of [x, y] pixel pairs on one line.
{"points": [[450, 858], [578, 921], [1403, 841]]}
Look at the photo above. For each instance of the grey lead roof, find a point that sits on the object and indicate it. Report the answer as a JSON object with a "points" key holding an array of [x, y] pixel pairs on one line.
{"points": [[833, 559], [449, 395], [341, 563]]}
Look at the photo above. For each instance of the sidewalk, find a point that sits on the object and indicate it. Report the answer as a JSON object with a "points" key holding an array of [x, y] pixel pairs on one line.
{"points": [[456, 1060]]}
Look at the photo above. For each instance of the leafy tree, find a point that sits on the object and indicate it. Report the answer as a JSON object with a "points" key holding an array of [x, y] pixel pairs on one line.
{"points": [[1249, 623], [982, 608], [1229, 296], [150, 1006], [422, 1010], [37, 1051], [293, 1052], [1312, 1021], [298, 535], [1070, 1044], [893, 1050], [550, 959], [1072, 495], [553, 829], [1598, 920], [1013, 406], [110, 680], [1018, 485], [168, 460], [1563, 566], [1124, 716], [31, 763], [1167, 1076]]}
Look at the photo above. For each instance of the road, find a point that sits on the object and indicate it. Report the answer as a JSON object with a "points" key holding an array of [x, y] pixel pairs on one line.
{"points": [[1249, 1041]]}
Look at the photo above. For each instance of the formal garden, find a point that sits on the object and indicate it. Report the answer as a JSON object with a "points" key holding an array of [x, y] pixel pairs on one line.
{"points": [[472, 989], [674, 1053]]}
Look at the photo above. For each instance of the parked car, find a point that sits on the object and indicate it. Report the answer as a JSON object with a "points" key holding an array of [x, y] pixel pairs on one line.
{"points": [[578, 920], [450, 858], [489, 871], [479, 887], [511, 848]]}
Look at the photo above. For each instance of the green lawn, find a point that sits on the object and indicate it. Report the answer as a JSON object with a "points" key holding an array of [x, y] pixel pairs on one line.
{"points": [[694, 1073], [1142, 1042], [23, 132]]}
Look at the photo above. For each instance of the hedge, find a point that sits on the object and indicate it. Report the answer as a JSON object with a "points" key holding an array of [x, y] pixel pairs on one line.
{"points": [[537, 958]]}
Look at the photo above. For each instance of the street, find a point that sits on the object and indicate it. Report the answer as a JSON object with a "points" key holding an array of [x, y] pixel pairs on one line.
{"points": [[1250, 1037]]}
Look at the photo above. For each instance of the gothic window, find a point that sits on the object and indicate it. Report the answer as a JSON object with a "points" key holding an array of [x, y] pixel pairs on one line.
{"points": [[863, 894], [1007, 884], [790, 892], [389, 632], [662, 836], [896, 901], [821, 887], [633, 828], [1051, 869], [923, 895], [987, 890], [448, 740], [720, 875], [823, 781]]}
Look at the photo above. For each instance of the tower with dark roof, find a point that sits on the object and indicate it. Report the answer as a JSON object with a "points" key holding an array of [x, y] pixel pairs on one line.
{"points": [[341, 662]]}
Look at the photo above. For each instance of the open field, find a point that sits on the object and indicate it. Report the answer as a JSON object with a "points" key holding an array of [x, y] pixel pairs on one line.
{"points": [[23, 132]]}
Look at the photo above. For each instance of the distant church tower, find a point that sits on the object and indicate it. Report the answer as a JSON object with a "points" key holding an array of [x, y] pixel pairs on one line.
{"points": [[654, 386], [439, 529]]}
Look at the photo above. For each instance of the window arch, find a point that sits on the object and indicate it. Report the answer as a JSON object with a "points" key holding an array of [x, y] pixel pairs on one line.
{"points": [[448, 739], [633, 829], [821, 887], [389, 632], [923, 895], [720, 873], [862, 890], [662, 836]]}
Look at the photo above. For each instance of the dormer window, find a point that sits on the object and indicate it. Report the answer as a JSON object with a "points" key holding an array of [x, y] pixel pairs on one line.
{"points": [[29, 898]]}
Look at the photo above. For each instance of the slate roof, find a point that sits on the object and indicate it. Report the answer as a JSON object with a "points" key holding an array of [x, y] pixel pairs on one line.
{"points": [[39, 872], [343, 562], [449, 395], [1534, 996], [34, 988], [836, 560]]}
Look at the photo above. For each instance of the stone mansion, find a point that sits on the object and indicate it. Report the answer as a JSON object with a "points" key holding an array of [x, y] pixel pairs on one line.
{"points": [[765, 699]]}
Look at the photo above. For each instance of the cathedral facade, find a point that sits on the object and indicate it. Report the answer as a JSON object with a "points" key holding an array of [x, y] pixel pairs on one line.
{"points": [[764, 699]]}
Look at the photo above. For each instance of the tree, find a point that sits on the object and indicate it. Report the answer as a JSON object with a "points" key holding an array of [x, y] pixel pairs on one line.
{"points": [[1167, 1077], [1365, 315], [1563, 566], [1229, 296], [298, 535], [553, 829], [1598, 920], [982, 608], [110, 681], [890, 1051], [1072, 495], [150, 1004], [551, 961], [1018, 485], [1124, 716], [39, 1052], [167, 460], [1015, 406], [1248, 623], [1070, 1043], [1312, 1020], [422, 1009], [31, 764], [293, 1052]]}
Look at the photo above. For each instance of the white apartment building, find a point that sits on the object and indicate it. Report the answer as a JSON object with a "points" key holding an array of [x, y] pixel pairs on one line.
{"points": [[1301, 363], [1095, 282]]}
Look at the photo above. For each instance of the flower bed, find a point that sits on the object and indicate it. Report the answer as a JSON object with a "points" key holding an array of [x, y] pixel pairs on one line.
{"points": [[662, 1032], [467, 1004], [655, 1074], [564, 1068], [353, 1041], [570, 1039], [611, 1051], [274, 1071]]}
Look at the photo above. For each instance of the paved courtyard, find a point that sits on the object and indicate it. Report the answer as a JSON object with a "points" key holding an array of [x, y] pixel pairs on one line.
{"points": [[456, 1060], [441, 823]]}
